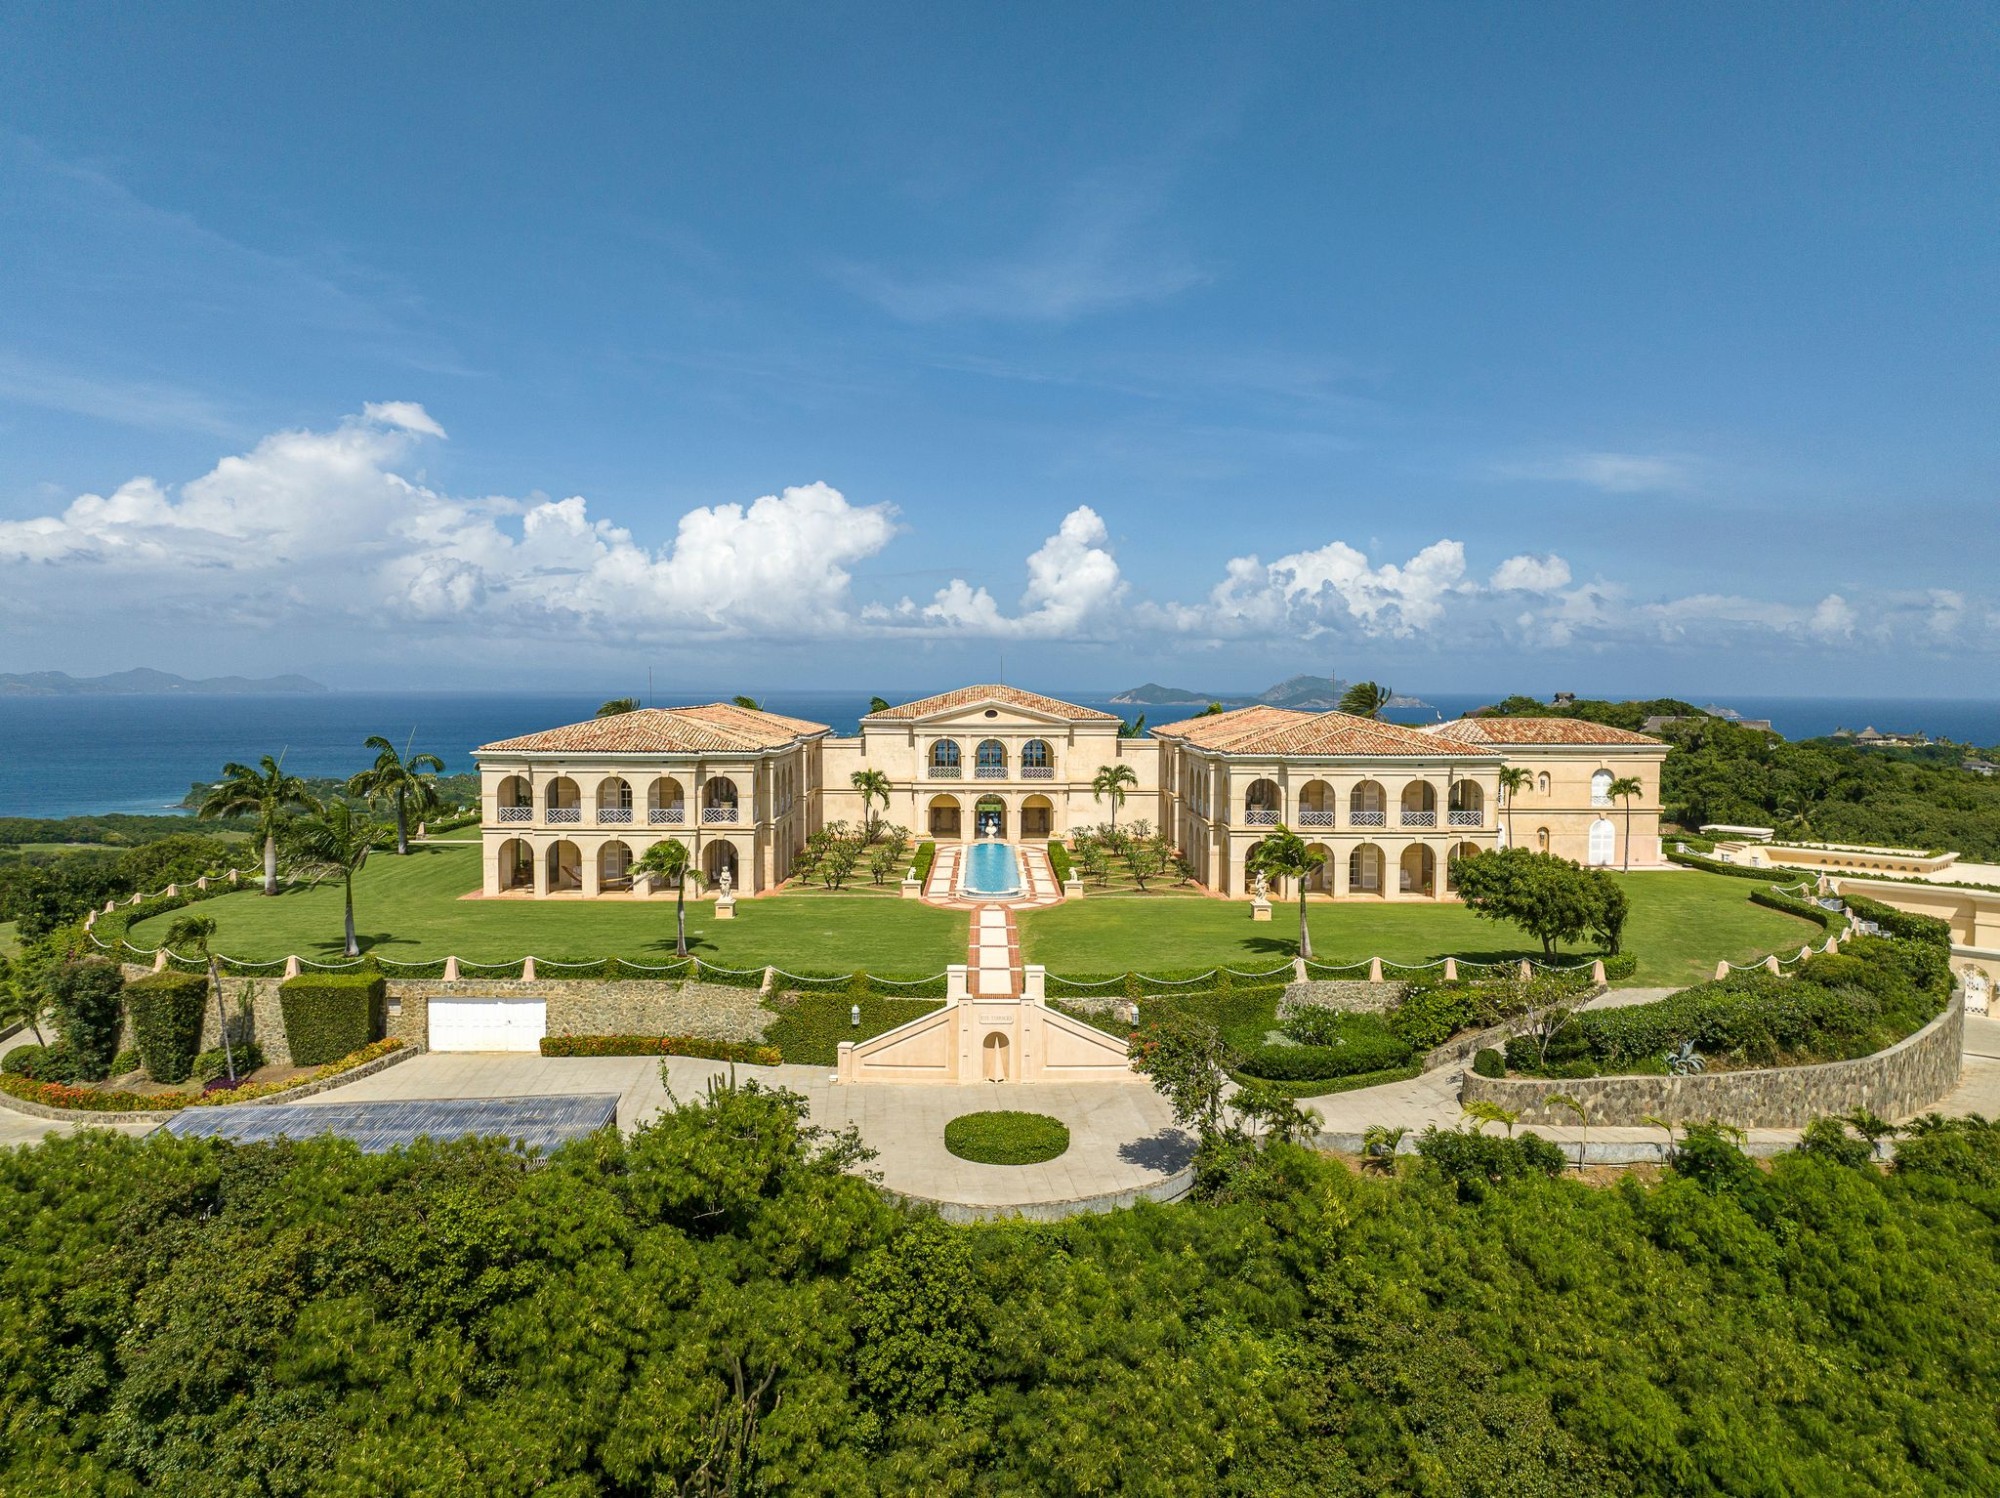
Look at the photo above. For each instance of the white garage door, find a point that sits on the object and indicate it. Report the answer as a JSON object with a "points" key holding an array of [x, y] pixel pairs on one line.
{"points": [[487, 1024]]}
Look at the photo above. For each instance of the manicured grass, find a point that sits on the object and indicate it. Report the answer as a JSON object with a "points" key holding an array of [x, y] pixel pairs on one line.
{"points": [[409, 909], [1006, 1138], [1681, 923], [10, 938]]}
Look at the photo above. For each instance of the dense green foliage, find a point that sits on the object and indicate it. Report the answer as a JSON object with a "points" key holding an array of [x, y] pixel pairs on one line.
{"points": [[1550, 898], [330, 1015], [810, 1027], [83, 996], [167, 1011], [1059, 864], [1839, 1006], [1818, 788], [713, 1305], [44, 890], [1006, 1137], [748, 1054]]}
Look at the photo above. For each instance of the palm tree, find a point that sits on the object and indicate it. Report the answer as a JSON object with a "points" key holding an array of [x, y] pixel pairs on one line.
{"points": [[1625, 788], [1513, 781], [1570, 1105], [1366, 699], [1133, 730], [879, 704], [192, 933], [335, 839], [669, 859], [750, 702], [20, 1004], [618, 705], [873, 785], [1113, 781], [267, 793], [1286, 855], [407, 784]]}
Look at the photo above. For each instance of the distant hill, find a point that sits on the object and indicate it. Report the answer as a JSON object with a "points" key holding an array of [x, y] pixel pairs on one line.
{"points": [[1309, 692], [144, 680]]}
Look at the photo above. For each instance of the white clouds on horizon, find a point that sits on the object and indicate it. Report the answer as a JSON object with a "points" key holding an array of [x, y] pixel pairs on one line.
{"points": [[323, 529]]}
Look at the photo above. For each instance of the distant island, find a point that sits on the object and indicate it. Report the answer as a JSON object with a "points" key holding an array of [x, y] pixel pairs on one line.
{"points": [[144, 680], [1310, 693]]}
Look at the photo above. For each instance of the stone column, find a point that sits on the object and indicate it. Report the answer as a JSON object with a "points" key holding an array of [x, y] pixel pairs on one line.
{"points": [[588, 856], [541, 851]]}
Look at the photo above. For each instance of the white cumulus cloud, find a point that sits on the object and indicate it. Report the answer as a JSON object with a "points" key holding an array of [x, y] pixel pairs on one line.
{"points": [[1531, 574]]}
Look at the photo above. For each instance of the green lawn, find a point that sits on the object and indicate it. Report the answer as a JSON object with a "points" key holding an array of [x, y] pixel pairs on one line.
{"points": [[409, 909], [1680, 924]]}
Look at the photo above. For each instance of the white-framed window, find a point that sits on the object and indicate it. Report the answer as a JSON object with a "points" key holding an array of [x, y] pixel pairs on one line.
{"points": [[1600, 788], [1603, 841]]}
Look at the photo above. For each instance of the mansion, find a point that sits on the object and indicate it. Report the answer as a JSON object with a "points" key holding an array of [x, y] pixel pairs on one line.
{"points": [[569, 810]]}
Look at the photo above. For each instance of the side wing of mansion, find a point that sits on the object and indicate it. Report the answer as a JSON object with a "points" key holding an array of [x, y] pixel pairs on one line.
{"points": [[570, 809]]}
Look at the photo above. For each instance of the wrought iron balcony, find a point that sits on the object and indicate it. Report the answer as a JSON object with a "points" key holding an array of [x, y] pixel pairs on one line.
{"points": [[1259, 818], [1420, 819], [666, 814], [1315, 819], [517, 814], [563, 814], [718, 814], [1468, 818], [1368, 819], [1038, 772], [990, 772], [946, 772], [607, 814]]}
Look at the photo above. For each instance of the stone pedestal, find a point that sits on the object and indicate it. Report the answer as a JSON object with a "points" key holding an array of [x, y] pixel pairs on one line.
{"points": [[1260, 910], [1072, 888], [725, 907], [913, 889]]}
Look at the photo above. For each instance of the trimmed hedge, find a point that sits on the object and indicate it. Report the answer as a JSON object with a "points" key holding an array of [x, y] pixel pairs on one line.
{"points": [[23, 1060], [809, 1029], [1792, 905], [331, 1015], [661, 1045], [926, 856], [1059, 863], [167, 1009], [83, 998], [1311, 1063], [1734, 870], [1005, 1137]]}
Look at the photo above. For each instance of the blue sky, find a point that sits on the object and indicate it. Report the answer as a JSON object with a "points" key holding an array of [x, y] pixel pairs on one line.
{"points": [[1633, 349]]}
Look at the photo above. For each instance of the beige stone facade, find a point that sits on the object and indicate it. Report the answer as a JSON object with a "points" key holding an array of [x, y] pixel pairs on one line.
{"points": [[567, 811]]}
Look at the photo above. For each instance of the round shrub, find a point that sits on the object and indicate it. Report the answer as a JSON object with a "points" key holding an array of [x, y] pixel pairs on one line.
{"points": [[1489, 1063], [124, 1063], [212, 1064], [1004, 1137], [23, 1061]]}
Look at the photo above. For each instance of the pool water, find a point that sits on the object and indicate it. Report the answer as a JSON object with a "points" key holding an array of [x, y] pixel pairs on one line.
{"points": [[991, 869]]}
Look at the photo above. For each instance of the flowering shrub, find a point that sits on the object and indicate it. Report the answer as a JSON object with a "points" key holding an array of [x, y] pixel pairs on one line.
{"points": [[94, 1100]]}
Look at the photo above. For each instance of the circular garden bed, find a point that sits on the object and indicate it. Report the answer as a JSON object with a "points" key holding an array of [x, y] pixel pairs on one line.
{"points": [[1006, 1138]]}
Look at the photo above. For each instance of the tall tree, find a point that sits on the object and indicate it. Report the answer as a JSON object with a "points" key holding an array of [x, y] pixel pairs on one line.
{"points": [[405, 784], [669, 859], [1624, 788], [1513, 781], [750, 702], [1133, 730], [617, 706], [1113, 781], [192, 934], [266, 793], [879, 704], [1366, 699], [874, 786], [20, 1002], [1286, 855], [332, 841]]}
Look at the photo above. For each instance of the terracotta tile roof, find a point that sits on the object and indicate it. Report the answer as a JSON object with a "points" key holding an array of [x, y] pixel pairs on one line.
{"points": [[711, 728], [1286, 731], [1034, 702], [1499, 730]]}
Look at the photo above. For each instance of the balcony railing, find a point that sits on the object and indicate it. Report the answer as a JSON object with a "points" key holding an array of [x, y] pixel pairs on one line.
{"points": [[517, 814], [1420, 819], [1315, 819], [1259, 818], [660, 815], [718, 814], [563, 814], [620, 814], [946, 772], [1038, 772], [990, 772], [1467, 818], [1368, 819]]}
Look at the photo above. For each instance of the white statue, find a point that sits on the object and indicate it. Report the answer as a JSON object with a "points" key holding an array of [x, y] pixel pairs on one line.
{"points": [[725, 880], [1261, 885]]}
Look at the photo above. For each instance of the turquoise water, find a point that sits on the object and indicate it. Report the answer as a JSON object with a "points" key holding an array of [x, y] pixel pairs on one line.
{"points": [[992, 869]]}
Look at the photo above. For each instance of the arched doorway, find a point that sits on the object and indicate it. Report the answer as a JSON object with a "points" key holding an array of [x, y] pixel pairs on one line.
{"points": [[1367, 806], [718, 856], [1458, 851], [1037, 818], [990, 760], [1468, 804], [565, 867], [614, 866], [993, 1056], [1419, 871], [718, 800], [1316, 804], [1320, 880], [1420, 802], [945, 817], [562, 801], [614, 800], [943, 760], [666, 802], [1364, 870], [989, 817], [515, 799], [517, 865], [1263, 805]]}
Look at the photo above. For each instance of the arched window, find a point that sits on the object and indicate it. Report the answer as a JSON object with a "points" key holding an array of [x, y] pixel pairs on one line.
{"points": [[1542, 782], [666, 802], [1600, 788], [517, 803], [1263, 804], [991, 760], [614, 800], [1364, 870], [562, 802], [944, 762], [1468, 804], [1603, 841], [718, 800], [1037, 763], [1541, 839], [1366, 805]]}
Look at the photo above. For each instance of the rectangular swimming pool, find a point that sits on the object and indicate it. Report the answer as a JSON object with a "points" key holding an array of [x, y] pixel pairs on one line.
{"points": [[991, 869]]}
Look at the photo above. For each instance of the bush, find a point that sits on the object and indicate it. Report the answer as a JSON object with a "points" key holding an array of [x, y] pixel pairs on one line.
{"points": [[212, 1064], [1059, 863], [1006, 1138], [1487, 1062], [167, 1010], [926, 856], [809, 1029], [23, 1061], [1307, 1063], [330, 1015], [84, 999], [1829, 1140], [743, 1053], [125, 1063], [1476, 1163]]}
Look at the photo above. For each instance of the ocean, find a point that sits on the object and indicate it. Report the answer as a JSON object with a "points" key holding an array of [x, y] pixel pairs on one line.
{"points": [[75, 756]]}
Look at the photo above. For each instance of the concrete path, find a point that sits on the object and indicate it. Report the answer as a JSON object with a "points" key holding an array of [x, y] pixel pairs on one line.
{"points": [[26, 1128], [1122, 1140], [993, 956]]}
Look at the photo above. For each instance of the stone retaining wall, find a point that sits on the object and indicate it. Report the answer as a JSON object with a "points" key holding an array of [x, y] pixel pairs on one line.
{"points": [[593, 1007], [1348, 995], [1903, 1080]]}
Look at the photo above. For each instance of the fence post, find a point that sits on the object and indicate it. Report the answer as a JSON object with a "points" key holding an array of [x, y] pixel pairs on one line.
{"points": [[292, 966], [160, 960], [1451, 970], [451, 970], [770, 979], [202, 882], [528, 969], [1298, 970], [1771, 964], [1721, 970], [1597, 971], [1527, 971], [1374, 970]]}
